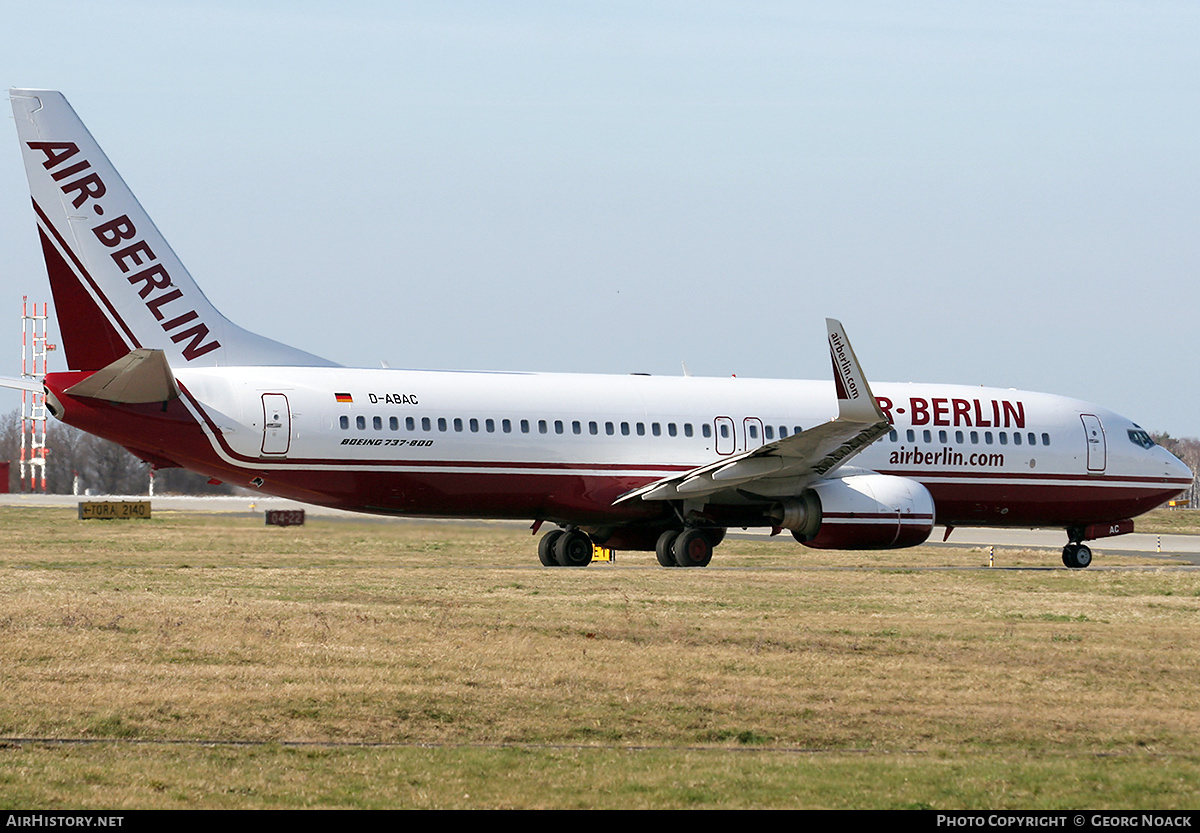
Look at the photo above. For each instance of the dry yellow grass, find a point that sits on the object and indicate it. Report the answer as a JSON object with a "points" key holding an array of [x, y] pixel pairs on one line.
{"points": [[216, 628]]}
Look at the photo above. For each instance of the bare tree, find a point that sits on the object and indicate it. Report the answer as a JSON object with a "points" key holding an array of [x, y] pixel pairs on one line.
{"points": [[98, 466], [1186, 449]]}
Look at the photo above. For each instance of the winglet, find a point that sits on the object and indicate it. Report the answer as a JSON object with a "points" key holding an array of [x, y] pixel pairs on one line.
{"points": [[855, 400]]}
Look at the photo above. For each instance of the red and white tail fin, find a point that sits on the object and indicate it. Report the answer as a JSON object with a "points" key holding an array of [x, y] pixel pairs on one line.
{"points": [[117, 285]]}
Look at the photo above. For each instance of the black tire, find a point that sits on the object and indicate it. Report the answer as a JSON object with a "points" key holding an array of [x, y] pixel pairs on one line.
{"points": [[546, 548], [663, 549], [692, 548], [1077, 556], [1069, 555], [573, 549]]}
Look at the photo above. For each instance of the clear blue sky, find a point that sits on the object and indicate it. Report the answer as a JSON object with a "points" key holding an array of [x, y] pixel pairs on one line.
{"points": [[1003, 194]]}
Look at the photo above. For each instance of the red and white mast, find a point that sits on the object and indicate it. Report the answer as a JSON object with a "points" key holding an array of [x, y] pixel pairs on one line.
{"points": [[33, 404]]}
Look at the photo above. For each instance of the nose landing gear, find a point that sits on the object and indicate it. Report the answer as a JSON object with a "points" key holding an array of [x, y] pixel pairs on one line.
{"points": [[1076, 555]]}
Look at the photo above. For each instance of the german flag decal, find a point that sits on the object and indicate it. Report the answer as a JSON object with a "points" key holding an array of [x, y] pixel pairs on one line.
{"points": [[343, 397]]}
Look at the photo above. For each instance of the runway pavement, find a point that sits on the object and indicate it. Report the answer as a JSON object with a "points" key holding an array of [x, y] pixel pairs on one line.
{"points": [[1171, 548]]}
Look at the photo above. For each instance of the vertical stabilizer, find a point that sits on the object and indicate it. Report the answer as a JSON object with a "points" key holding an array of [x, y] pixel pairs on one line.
{"points": [[117, 285]]}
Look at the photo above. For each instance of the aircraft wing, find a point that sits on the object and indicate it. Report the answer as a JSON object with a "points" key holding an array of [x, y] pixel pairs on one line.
{"points": [[787, 465]]}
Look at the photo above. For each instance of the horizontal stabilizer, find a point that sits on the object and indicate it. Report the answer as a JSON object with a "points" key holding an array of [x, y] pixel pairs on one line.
{"points": [[137, 377], [20, 384]]}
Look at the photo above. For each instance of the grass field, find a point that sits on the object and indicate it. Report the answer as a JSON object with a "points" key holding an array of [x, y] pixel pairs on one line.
{"points": [[210, 661]]}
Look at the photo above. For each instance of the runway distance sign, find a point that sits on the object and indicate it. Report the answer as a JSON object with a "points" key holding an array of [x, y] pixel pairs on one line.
{"points": [[121, 510]]}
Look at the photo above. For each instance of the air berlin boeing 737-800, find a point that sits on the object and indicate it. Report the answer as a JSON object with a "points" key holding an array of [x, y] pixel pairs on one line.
{"points": [[631, 462]]}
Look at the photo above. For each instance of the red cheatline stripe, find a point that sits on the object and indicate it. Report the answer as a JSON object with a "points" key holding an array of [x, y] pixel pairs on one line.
{"points": [[83, 275]]}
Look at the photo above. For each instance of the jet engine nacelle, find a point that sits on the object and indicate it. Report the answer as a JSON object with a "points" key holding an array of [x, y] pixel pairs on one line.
{"points": [[860, 512]]}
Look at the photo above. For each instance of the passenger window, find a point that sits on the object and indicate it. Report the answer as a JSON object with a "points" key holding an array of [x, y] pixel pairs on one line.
{"points": [[541, 426], [687, 429], [671, 429], [593, 428], [641, 429], [769, 432], [576, 427], [489, 425], [458, 423], [506, 426], [442, 424], [609, 429], [624, 429], [344, 421], [524, 426], [656, 429], [360, 422], [474, 423]]}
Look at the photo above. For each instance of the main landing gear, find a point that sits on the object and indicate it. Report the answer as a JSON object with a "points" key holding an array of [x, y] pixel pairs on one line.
{"points": [[565, 548], [691, 547], [1077, 555]]}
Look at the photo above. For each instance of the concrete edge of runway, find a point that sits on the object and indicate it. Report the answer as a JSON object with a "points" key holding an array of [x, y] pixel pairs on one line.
{"points": [[1173, 548]]}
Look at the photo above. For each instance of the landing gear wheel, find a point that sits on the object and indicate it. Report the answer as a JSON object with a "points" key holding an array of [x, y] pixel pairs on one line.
{"points": [[693, 548], [1083, 556], [664, 546], [546, 548], [573, 549], [1077, 556]]}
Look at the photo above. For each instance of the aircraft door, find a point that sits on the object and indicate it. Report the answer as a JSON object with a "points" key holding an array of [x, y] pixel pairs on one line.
{"points": [[277, 424], [1097, 452], [752, 433], [726, 436]]}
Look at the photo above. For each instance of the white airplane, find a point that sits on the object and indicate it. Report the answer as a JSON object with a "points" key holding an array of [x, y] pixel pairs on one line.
{"points": [[630, 462]]}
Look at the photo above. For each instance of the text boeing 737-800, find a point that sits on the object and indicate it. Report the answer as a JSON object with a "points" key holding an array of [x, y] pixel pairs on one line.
{"points": [[632, 462]]}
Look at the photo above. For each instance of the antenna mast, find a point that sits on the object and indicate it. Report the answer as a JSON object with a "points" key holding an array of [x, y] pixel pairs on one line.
{"points": [[33, 405]]}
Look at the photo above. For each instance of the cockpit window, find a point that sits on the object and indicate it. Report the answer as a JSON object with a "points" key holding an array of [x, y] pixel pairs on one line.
{"points": [[1139, 437]]}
